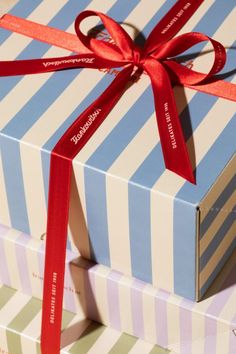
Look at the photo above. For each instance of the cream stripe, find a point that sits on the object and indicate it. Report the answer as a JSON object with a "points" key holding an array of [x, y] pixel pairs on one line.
{"points": [[78, 220], [173, 316], [32, 262], [4, 211], [34, 189], [141, 347], [28, 345], [198, 334], [162, 245], [10, 252], [105, 342], [226, 312], [149, 314], [125, 284], [30, 334], [217, 223], [220, 251], [219, 186], [3, 339], [100, 279], [222, 338], [16, 43], [6, 6], [8, 312]]}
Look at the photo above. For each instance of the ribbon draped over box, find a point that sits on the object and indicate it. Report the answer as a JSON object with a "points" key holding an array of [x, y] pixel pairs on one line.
{"points": [[156, 59]]}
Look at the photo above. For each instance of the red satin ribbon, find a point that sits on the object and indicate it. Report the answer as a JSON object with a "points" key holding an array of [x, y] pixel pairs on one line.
{"points": [[164, 72]]}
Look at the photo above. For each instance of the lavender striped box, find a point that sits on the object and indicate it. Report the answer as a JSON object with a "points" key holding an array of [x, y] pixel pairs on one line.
{"points": [[128, 212], [127, 304]]}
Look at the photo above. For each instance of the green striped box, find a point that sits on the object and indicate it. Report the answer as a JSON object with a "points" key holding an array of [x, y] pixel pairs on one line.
{"points": [[20, 317]]}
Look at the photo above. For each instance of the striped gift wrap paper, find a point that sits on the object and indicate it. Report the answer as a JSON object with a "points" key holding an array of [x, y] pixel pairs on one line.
{"points": [[127, 211], [20, 331], [127, 304]]}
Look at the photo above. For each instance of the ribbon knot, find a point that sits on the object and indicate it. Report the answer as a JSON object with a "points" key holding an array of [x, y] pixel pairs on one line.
{"points": [[138, 57]]}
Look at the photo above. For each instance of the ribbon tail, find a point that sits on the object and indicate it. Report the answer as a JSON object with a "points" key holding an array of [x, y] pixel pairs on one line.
{"points": [[171, 135], [58, 207]]}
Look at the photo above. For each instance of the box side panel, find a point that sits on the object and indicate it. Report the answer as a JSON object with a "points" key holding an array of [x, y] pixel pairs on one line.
{"points": [[218, 226], [185, 248]]}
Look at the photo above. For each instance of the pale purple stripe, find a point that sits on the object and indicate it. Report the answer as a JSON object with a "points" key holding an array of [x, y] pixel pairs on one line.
{"points": [[161, 318], [232, 339], [113, 299], [90, 297], [210, 335], [41, 252], [137, 308], [4, 273], [23, 267], [186, 307], [69, 291], [215, 309]]}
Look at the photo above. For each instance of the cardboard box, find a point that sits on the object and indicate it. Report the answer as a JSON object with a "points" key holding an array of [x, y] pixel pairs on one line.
{"points": [[127, 304], [127, 211], [20, 331]]}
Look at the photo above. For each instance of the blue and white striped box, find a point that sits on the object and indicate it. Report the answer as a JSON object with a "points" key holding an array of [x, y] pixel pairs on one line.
{"points": [[127, 211]]}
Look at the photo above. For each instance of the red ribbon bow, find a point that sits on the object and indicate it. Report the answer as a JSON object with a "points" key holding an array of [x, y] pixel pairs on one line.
{"points": [[164, 72]]}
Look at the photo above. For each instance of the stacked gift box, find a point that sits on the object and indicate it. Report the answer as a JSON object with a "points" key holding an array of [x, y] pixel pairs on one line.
{"points": [[127, 304], [159, 241]]}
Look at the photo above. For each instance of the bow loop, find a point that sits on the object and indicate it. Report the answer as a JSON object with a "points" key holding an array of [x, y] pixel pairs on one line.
{"points": [[180, 44], [121, 47]]}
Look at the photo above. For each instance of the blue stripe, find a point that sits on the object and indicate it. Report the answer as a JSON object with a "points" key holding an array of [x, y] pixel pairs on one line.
{"points": [[218, 205], [14, 183], [22, 9], [141, 254], [104, 157], [218, 238], [218, 268], [26, 117]]}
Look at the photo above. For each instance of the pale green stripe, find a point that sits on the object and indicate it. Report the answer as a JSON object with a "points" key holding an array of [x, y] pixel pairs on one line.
{"points": [[67, 317], [38, 348], [5, 295], [87, 339], [159, 350], [19, 323], [124, 344]]}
